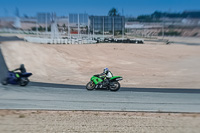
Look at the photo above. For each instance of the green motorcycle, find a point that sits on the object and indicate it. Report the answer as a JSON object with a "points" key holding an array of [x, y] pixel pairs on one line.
{"points": [[98, 82]]}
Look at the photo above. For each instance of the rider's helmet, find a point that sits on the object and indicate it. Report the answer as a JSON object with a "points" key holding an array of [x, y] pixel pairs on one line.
{"points": [[22, 66], [105, 70]]}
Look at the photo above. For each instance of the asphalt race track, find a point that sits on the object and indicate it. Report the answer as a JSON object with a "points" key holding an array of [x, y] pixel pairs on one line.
{"points": [[50, 96]]}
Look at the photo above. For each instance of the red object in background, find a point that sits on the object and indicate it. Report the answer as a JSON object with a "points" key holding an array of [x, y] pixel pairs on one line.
{"points": [[74, 32]]}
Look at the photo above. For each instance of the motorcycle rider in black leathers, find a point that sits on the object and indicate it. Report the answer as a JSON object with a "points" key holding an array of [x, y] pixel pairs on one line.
{"points": [[22, 70]]}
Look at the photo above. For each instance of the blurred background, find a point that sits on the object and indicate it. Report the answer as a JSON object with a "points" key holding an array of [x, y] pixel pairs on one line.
{"points": [[130, 18]]}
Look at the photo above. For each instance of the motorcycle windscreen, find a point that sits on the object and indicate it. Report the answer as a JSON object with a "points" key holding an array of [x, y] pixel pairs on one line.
{"points": [[26, 74]]}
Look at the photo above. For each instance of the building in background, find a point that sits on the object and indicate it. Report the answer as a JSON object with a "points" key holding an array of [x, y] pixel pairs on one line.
{"points": [[78, 23], [107, 25]]}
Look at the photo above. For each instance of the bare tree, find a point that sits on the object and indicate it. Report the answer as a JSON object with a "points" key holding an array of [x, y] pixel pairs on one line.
{"points": [[113, 12]]}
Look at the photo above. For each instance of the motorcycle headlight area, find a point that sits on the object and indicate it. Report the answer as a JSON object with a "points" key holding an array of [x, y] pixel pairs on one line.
{"points": [[119, 79]]}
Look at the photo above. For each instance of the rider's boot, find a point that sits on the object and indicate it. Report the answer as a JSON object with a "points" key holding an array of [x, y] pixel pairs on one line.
{"points": [[99, 85]]}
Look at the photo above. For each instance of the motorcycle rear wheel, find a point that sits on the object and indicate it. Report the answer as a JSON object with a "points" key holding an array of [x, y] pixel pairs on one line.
{"points": [[90, 86], [4, 81]]}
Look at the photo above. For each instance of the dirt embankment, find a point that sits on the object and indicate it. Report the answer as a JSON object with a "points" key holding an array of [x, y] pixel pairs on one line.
{"points": [[89, 121], [145, 65]]}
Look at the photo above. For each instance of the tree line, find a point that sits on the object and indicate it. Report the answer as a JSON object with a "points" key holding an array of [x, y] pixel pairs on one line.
{"points": [[157, 15]]}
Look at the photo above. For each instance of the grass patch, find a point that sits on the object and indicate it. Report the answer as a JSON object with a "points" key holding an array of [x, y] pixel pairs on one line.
{"points": [[22, 116]]}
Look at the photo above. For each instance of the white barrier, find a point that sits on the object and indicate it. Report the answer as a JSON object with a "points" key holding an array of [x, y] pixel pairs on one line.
{"points": [[58, 41]]}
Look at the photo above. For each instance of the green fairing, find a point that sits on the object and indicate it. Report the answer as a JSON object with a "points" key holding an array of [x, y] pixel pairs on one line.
{"points": [[115, 77], [17, 75], [96, 80]]}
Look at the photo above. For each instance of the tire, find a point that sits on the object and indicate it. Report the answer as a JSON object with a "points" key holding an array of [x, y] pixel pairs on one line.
{"points": [[4, 81], [90, 86], [115, 86], [23, 81]]}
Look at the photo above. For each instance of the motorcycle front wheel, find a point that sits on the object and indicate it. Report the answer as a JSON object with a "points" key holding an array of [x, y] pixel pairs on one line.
{"points": [[114, 86], [90, 86], [23, 81]]}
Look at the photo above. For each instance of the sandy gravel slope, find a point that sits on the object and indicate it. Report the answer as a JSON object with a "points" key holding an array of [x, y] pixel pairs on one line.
{"points": [[173, 66], [106, 122]]}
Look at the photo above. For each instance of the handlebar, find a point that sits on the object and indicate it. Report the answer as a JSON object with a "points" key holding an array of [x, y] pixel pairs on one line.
{"points": [[96, 75]]}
